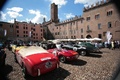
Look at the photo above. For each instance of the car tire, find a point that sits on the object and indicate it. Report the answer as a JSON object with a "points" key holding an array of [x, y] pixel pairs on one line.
{"points": [[83, 53], [62, 59]]}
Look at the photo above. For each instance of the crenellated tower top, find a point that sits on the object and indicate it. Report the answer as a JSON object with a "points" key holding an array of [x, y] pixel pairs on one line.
{"points": [[99, 3]]}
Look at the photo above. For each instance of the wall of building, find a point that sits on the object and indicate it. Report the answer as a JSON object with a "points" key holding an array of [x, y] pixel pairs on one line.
{"points": [[21, 31], [104, 19], [98, 17], [6, 31], [28, 31]]}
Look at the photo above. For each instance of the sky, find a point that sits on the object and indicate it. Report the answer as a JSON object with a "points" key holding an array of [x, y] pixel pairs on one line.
{"points": [[36, 10]]}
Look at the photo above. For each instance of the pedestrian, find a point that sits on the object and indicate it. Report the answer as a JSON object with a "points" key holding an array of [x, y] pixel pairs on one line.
{"points": [[96, 45], [112, 45], [105, 44], [115, 44], [118, 44]]}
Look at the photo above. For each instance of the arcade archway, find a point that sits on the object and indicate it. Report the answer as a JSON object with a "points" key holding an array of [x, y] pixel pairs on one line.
{"points": [[88, 36]]}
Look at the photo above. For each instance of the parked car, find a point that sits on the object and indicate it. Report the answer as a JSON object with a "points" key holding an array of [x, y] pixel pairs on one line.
{"points": [[78, 48], [2, 55], [17, 48], [35, 61], [64, 55], [47, 45], [90, 48], [83, 48], [13, 46]]}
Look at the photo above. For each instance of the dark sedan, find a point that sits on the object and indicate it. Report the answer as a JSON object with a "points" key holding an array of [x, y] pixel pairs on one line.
{"points": [[82, 48], [90, 48]]}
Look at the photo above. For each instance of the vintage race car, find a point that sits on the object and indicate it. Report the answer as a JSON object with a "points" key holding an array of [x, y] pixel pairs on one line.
{"points": [[35, 61], [18, 48], [64, 55], [80, 49], [13, 46], [83, 48]]}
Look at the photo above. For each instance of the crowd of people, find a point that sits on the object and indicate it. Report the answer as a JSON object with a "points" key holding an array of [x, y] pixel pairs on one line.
{"points": [[112, 44]]}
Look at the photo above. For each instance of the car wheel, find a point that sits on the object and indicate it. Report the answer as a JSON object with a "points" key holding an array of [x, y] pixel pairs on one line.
{"points": [[3, 63], [24, 71], [62, 59], [75, 49], [83, 53]]}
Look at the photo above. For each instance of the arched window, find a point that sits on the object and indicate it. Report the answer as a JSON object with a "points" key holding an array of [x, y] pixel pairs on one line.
{"points": [[88, 36]]}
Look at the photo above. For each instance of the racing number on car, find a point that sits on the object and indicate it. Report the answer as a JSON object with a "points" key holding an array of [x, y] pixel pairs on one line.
{"points": [[48, 64]]}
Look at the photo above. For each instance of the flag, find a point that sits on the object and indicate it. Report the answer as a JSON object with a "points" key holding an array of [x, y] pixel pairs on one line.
{"points": [[30, 34], [108, 36], [5, 32]]}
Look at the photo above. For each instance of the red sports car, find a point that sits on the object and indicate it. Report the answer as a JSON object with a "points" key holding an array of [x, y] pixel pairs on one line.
{"points": [[36, 61], [64, 55]]}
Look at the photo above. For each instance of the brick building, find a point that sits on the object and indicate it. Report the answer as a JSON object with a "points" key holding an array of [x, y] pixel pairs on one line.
{"points": [[95, 22], [28, 31], [22, 31], [6, 30]]}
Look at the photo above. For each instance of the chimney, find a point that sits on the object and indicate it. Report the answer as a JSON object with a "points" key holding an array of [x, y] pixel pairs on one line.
{"points": [[97, 3], [107, 0], [102, 2], [44, 19], [84, 9], [92, 5], [87, 7]]}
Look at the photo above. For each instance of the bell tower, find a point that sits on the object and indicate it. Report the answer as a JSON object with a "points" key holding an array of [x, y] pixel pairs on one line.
{"points": [[54, 13]]}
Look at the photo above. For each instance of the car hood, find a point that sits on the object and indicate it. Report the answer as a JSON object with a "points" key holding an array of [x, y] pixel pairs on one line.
{"points": [[68, 52]]}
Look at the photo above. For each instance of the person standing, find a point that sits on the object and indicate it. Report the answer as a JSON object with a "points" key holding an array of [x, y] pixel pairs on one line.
{"points": [[112, 45], [118, 44]]}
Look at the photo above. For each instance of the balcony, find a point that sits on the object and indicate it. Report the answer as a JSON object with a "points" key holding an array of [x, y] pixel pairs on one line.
{"points": [[89, 31]]}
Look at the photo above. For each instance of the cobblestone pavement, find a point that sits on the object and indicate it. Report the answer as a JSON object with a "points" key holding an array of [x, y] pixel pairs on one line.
{"points": [[92, 67]]}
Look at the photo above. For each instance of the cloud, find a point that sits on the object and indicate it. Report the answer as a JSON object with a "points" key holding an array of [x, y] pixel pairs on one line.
{"points": [[2, 16], [60, 3], [38, 16], [14, 12], [86, 2], [69, 15], [15, 9]]}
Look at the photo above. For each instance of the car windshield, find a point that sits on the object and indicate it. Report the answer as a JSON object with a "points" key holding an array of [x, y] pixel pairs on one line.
{"points": [[87, 44]]}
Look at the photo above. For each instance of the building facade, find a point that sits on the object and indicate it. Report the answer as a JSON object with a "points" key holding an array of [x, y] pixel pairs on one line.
{"points": [[96, 21], [21, 31], [6, 31], [28, 31]]}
